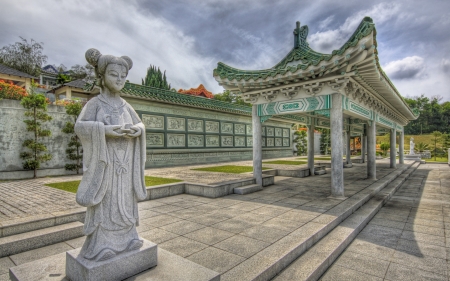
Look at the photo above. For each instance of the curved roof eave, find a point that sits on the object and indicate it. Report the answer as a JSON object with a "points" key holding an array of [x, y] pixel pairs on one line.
{"points": [[366, 27]]}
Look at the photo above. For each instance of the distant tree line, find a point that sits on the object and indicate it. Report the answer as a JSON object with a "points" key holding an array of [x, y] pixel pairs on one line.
{"points": [[434, 115]]}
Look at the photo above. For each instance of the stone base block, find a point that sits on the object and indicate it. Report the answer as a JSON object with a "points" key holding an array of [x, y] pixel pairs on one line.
{"points": [[348, 165], [247, 189], [118, 268], [320, 172]]}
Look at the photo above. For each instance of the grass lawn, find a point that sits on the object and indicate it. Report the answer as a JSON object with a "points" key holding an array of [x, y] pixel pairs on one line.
{"points": [[151, 181], [322, 158], [229, 169], [438, 159], [72, 186], [286, 162]]}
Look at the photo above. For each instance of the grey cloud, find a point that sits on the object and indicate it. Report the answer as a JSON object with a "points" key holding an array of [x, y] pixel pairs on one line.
{"points": [[445, 65], [188, 38], [407, 68]]}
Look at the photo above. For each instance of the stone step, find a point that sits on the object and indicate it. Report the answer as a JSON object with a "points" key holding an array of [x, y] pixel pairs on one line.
{"points": [[266, 264], [41, 221], [247, 189], [22, 242], [313, 263]]}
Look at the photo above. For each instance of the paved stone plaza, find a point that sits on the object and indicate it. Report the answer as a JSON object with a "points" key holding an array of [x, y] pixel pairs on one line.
{"points": [[406, 239]]}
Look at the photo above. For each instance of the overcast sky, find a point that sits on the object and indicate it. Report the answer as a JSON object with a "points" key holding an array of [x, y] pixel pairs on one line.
{"points": [[188, 38]]}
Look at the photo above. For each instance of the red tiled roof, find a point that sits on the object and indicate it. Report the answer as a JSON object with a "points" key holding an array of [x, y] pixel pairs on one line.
{"points": [[200, 91]]}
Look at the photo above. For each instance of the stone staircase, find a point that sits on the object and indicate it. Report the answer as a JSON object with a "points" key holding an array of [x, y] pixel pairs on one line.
{"points": [[307, 252], [320, 256], [25, 234]]}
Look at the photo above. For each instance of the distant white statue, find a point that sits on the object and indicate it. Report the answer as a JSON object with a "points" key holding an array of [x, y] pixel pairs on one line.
{"points": [[411, 147], [113, 141]]}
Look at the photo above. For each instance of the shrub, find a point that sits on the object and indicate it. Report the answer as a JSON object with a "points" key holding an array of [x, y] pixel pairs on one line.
{"points": [[10, 91]]}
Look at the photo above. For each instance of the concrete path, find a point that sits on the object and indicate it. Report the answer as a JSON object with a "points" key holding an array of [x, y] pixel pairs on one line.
{"points": [[409, 239]]}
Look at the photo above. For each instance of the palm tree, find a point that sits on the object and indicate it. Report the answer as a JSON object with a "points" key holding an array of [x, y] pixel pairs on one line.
{"points": [[421, 146], [436, 135]]}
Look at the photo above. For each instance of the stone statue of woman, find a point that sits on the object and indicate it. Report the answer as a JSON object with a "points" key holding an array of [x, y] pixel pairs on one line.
{"points": [[411, 146], [113, 140]]}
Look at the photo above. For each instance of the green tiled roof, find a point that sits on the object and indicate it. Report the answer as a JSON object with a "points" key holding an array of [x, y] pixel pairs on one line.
{"points": [[303, 54], [161, 95]]}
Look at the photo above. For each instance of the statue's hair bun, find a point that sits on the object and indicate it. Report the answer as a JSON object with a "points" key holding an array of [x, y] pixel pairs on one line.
{"points": [[128, 61], [92, 56]]}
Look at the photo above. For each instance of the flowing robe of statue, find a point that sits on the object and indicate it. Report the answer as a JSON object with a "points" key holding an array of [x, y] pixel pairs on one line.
{"points": [[113, 179], [411, 147]]}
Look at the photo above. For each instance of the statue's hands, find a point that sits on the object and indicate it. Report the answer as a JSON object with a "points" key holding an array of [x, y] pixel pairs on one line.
{"points": [[110, 131], [137, 132]]}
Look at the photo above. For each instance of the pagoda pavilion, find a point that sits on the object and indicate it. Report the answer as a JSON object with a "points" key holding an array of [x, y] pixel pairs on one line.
{"points": [[346, 91], [200, 91]]}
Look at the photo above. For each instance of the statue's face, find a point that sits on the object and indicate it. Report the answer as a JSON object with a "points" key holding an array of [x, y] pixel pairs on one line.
{"points": [[115, 76]]}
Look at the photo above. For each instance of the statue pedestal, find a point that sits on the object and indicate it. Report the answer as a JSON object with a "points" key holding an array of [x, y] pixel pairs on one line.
{"points": [[118, 268], [414, 157]]}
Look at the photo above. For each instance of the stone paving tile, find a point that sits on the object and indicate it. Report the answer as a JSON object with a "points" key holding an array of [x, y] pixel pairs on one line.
{"points": [[216, 259], [246, 248], [209, 235], [158, 235], [265, 233], [403, 272], [182, 246], [234, 225], [182, 227], [365, 264], [409, 234]]}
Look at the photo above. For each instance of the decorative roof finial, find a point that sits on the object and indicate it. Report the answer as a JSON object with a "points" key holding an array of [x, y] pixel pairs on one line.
{"points": [[300, 34]]}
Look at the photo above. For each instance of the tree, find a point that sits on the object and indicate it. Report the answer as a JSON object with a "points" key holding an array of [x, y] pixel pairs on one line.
{"points": [[229, 96], [63, 78], [36, 105], [436, 135], [155, 78], [81, 72], [325, 141], [445, 143], [385, 147], [24, 56], [74, 152], [301, 142]]}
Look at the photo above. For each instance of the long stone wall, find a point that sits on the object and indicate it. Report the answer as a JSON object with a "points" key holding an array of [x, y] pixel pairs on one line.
{"points": [[176, 135], [179, 135]]}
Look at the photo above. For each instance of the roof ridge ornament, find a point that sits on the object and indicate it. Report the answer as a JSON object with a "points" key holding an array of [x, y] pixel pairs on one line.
{"points": [[300, 34]]}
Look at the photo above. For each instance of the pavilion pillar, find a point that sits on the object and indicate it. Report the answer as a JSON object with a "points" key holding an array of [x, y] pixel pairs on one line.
{"points": [[348, 159], [393, 152], [311, 129], [337, 169], [364, 144], [257, 145], [401, 148], [371, 151]]}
